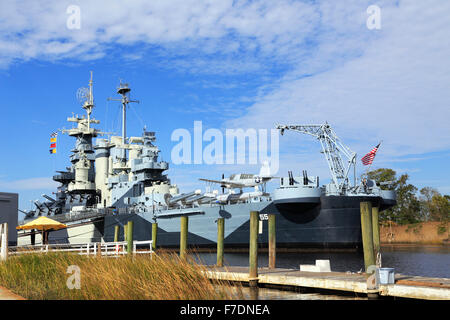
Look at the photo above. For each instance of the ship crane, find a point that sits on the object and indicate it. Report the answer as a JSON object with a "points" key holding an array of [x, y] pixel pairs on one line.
{"points": [[334, 151]]}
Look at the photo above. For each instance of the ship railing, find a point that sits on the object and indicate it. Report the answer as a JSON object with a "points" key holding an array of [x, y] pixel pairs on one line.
{"points": [[91, 248]]}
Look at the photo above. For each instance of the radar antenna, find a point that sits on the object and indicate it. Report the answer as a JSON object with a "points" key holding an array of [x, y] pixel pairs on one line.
{"points": [[332, 148], [85, 97], [82, 95]]}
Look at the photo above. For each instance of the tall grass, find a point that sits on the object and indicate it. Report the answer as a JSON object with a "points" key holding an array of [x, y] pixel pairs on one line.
{"points": [[431, 232], [164, 276]]}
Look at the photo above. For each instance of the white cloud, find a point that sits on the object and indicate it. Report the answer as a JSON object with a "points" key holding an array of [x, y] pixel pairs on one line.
{"points": [[396, 89], [38, 29]]}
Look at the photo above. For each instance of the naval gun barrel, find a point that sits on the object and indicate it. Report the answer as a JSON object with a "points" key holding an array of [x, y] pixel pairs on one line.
{"points": [[48, 198], [37, 204]]}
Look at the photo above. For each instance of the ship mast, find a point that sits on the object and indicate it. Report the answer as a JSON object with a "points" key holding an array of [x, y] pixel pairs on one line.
{"points": [[124, 90], [89, 103]]}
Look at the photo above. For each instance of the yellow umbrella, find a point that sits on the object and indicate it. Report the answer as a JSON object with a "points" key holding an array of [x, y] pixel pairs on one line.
{"points": [[42, 223]]}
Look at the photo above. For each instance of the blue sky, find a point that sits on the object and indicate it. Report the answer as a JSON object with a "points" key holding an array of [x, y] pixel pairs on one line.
{"points": [[230, 64]]}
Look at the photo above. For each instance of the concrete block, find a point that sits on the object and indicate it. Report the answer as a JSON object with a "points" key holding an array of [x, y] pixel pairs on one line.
{"points": [[309, 268], [323, 265]]}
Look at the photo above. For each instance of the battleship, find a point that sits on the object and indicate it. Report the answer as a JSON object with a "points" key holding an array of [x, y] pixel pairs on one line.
{"points": [[121, 178]]}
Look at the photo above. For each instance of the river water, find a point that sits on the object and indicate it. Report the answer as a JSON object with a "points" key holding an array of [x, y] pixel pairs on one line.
{"points": [[427, 261]]}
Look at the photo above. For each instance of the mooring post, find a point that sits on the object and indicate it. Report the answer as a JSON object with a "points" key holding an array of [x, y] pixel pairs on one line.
{"points": [[220, 236], [272, 241], [130, 237], [367, 234], [253, 250], [116, 233], [154, 234], [183, 236], [376, 230]]}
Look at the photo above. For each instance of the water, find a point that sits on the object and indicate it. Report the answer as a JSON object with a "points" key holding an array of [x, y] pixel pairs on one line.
{"points": [[427, 261], [274, 294]]}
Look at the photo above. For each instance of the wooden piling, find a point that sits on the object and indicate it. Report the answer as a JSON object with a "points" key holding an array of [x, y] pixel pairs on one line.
{"points": [[116, 233], [272, 241], [183, 236], [130, 237], [154, 234], [125, 230], [220, 237], [376, 230], [253, 250], [367, 234]]}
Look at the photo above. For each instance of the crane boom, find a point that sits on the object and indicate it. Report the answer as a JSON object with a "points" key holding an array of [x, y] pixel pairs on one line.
{"points": [[332, 148]]}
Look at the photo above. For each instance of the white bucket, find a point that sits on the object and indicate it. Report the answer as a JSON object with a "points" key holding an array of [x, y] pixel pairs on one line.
{"points": [[386, 275]]}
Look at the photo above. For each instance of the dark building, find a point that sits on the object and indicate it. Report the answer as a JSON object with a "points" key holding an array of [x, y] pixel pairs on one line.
{"points": [[9, 204]]}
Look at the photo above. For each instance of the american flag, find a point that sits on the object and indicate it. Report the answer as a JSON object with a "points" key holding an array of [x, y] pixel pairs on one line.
{"points": [[368, 158]]}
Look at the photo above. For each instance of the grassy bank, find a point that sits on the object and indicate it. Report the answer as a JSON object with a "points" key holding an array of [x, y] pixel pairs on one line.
{"points": [[418, 233], [165, 276]]}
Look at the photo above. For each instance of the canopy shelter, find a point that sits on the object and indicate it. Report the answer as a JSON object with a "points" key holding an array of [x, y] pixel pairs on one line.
{"points": [[44, 224]]}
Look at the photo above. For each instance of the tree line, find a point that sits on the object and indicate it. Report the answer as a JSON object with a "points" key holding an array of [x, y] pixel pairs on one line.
{"points": [[413, 205]]}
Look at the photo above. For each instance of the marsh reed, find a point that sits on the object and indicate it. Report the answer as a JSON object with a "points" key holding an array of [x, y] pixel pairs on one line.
{"points": [[163, 277]]}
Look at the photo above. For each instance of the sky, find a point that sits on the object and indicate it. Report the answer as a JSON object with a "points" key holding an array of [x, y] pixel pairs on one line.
{"points": [[228, 64]]}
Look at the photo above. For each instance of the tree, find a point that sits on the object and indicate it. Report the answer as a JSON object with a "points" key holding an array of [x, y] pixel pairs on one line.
{"points": [[408, 208], [435, 206], [426, 197], [440, 208]]}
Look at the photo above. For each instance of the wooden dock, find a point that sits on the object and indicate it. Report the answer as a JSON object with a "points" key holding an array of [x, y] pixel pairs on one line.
{"points": [[404, 287]]}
